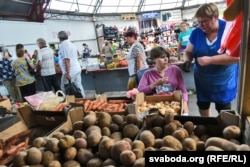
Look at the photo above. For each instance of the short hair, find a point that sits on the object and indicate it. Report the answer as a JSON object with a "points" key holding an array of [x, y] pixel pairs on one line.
{"points": [[131, 34], [62, 35], [158, 52], [19, 46], [207, 10], [41, 41], [84, 44]]}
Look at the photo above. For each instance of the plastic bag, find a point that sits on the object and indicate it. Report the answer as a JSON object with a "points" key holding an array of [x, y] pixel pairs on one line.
{"points": [[71, 89], [45, 100]]}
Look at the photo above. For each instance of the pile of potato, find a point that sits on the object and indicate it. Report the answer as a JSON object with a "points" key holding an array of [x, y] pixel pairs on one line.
{"points": [[98, 140], [162, 106], [104, 140]]}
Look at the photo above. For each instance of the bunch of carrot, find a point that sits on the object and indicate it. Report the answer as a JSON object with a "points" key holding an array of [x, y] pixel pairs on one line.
{"points": [[13, 145], [102, 105]]}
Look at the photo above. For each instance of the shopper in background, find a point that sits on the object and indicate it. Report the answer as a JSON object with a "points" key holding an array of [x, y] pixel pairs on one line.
{"points": [[7, 74], [34, 57], [136, 58], [47, 66], [68, 60], [107, 50], [163, 78], [27, 54], [25, 81], [86, 50], [183, 37], [215, 75]]}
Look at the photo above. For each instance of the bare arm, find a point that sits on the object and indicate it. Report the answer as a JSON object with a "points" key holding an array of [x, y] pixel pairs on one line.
{"points": [[188, 52], [67, 65], [222, 59]]}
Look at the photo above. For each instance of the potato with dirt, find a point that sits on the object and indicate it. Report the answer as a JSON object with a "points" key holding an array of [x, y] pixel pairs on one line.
{"points": [[130, 131], [34, 156], [105, 147], [104, 119], [118, 148], [66, 142], [148, 138], [127, 157], [83, 156], [47, 157], [170, 141]]}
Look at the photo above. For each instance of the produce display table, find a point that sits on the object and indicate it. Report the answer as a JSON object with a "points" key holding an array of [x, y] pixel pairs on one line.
{"points": [[112, 80]]}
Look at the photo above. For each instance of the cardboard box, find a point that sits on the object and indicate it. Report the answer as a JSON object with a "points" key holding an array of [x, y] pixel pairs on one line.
{"points": [[75, 114], [5, 103], [141, 98], [41, 118]]}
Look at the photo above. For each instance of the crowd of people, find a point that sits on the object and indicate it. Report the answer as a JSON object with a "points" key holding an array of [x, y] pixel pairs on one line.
{"points": [[215, 75]]}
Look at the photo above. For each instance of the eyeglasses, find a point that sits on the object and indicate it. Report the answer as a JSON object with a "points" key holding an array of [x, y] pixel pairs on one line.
{"points": [[203, 21]]}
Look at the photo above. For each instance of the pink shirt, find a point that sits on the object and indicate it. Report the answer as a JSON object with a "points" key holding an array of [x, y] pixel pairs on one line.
{"points": [[175, 78]]}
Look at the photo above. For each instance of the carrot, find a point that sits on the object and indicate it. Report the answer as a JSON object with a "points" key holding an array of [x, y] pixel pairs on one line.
{"points": [[99, 103], [86, 105], [102, 106], [59, 107], [91, 105], [12, 150], [120, 108]]}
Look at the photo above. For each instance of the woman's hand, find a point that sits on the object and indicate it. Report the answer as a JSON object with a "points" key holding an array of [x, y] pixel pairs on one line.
{"points": [[162, 81]]}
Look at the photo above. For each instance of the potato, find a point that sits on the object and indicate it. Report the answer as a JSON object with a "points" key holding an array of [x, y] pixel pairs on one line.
{"points": [[58, 135], [108, 162], [118, 148], [92, 128], [127, 140], [231, 132], [200, 146], [169, 128], [157, 131], [116, 136], [139, 162], [200, 130], [106, 131], [39, 142], [113, 127], [130, 131], [213, 148], [79, 134], [167, 149], [138, 144], [148, 138], [104, 119], [169, 117], [34, 156], [179, 134], [70, 153], [94, 162], [78, 125], [89, 120], [243, 147], [159, 121], [189, 144], [158, 143], [94, 138], [127, 157], [54, 164], [80, 143], [83, 156], [67, 141], [170, 141], [47, 157], [105, 147], [117, 119], [131, 119], [19, 159], [224, 144], [138, 153], [71, 163], [189, 126]]}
